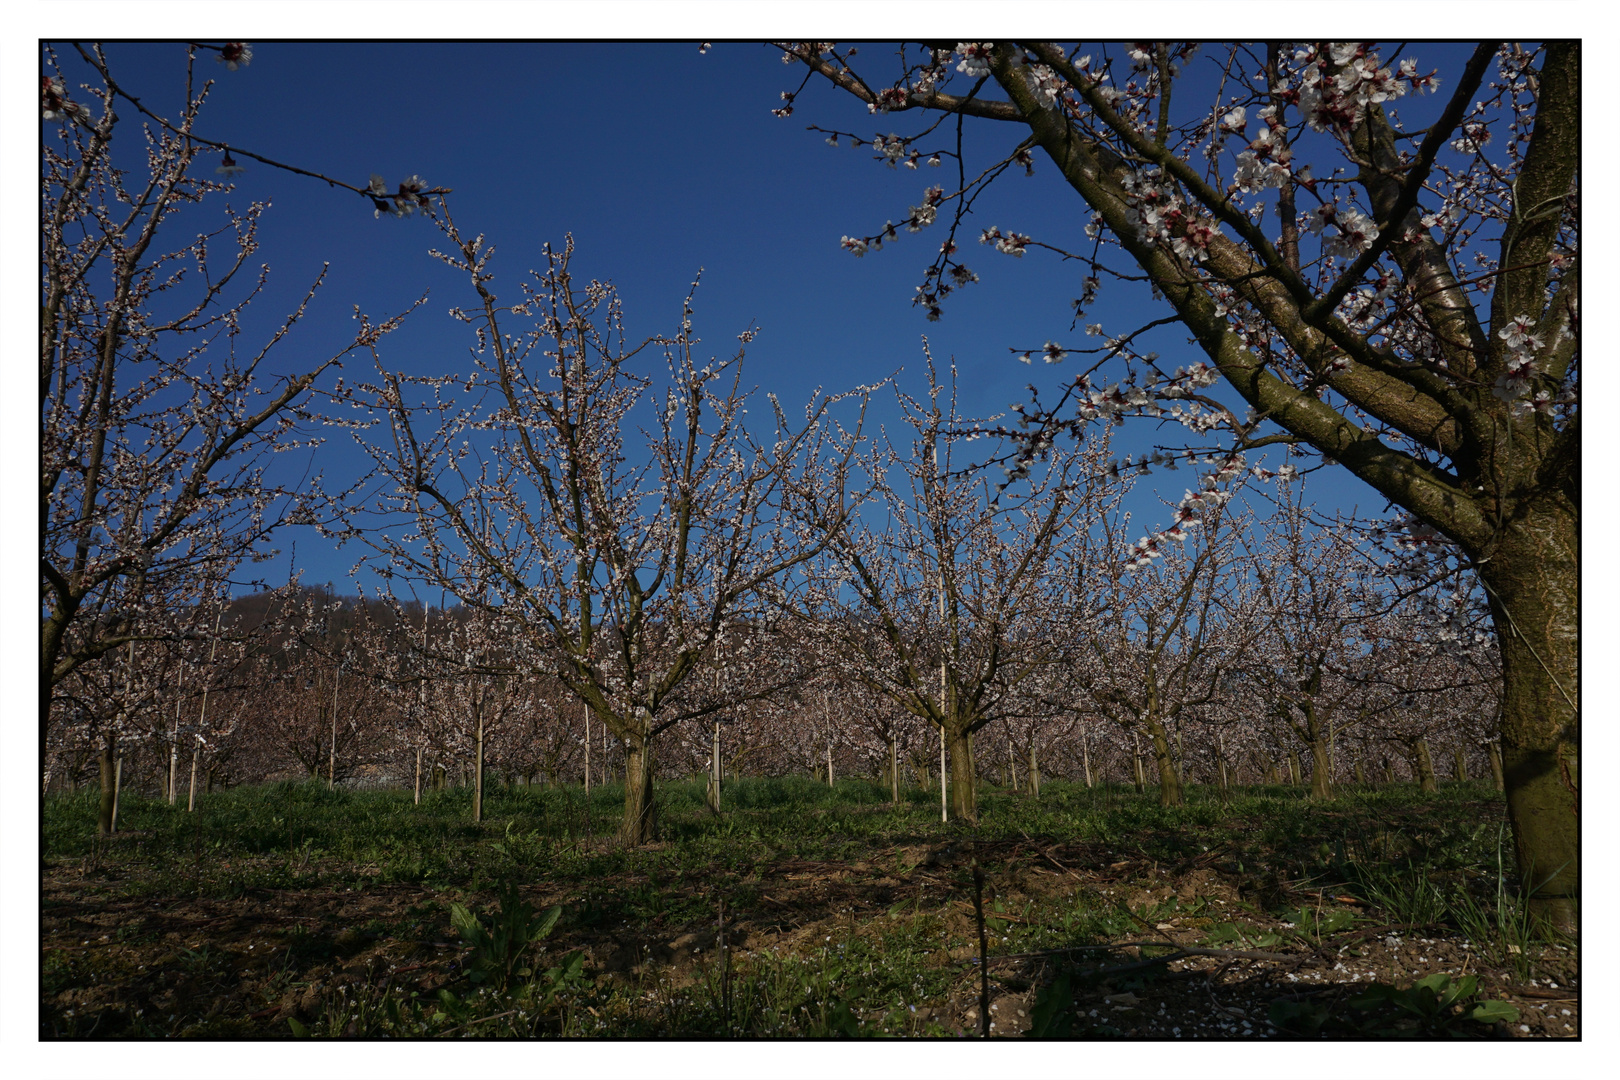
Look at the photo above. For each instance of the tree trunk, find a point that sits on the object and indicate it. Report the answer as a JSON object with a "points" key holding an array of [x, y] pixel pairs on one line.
{"points": [[417, 797], [1293, 768], [1361, 772], [1423, 766], [1169, 781], [1034, 772], [105, 811], [1321, 768], [964, 781], [1085, 759], [1459, 758], [1533, 585], [640, 823], [1493, 753]]}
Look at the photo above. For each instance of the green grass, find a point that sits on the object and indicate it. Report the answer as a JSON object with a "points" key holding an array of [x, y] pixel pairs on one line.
{"points": [[1410, 857]]}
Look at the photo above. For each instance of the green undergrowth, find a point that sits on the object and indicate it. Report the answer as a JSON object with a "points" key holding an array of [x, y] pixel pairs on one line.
{"points": [[1303, 873]]}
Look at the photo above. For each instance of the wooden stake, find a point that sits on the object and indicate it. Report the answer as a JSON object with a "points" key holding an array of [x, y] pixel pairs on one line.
{"points": [[331, 761], [478, 762], [118, 780]]}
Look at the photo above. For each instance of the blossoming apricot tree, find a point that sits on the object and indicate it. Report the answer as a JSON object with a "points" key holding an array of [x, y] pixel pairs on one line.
{"points": [[1413, 314]]}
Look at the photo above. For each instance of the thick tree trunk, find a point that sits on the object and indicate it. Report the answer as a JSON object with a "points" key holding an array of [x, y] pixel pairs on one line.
{"points": [[1423, 766], [640, 823], [964, 780], [104, 811], [1532, 583], [1494, 754], [1034, 772], [1321, 768], [1169, 780], [1459, 759]]}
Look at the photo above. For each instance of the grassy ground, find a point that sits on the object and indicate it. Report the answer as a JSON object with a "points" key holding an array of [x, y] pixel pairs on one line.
{"points": [[290, 910]]}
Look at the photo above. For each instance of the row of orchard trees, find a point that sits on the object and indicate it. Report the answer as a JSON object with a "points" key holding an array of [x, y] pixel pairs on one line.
{"points": [[1416, 321], [941, 632]]}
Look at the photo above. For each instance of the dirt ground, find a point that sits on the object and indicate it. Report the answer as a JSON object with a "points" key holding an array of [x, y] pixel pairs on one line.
{"points": [[172, 966]]}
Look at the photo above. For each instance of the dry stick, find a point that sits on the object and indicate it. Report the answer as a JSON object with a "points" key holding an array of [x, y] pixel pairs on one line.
{"points": [[984, 966], [480, 1020], [1181, 952]]}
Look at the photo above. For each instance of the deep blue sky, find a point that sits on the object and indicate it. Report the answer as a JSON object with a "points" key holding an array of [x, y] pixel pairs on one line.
{"points": [[682, 167], [657, 168]]}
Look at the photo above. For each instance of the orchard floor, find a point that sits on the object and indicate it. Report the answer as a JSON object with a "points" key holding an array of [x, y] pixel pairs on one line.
{"points": [[290, 910]]}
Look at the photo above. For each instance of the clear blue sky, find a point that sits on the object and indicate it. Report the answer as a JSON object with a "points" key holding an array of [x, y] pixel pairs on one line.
{"points": [[681, 167], [657, 169]]}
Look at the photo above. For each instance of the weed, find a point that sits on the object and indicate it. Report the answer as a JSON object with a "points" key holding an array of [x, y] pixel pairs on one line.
{"points": [[499, 949]]}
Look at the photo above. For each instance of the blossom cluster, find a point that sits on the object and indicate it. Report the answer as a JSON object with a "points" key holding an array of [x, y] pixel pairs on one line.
{"points": [[1194, 507], [1161, 216], [402, 203], [1010, 243], [1337, 85], [54, 103], [1354, 233], [1513, 385]]}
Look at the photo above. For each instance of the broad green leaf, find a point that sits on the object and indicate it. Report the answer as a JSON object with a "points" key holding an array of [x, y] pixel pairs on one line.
{"points": [[1488, 1012]]}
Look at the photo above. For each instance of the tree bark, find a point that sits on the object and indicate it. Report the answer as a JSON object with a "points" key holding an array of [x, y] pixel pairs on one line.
{"points": [[1493, 753], [1034, 772], [1532, 584], [964, 781], [1321, 768], [1169, 780], [640, 823], [1423, 765], [104, 810]]}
